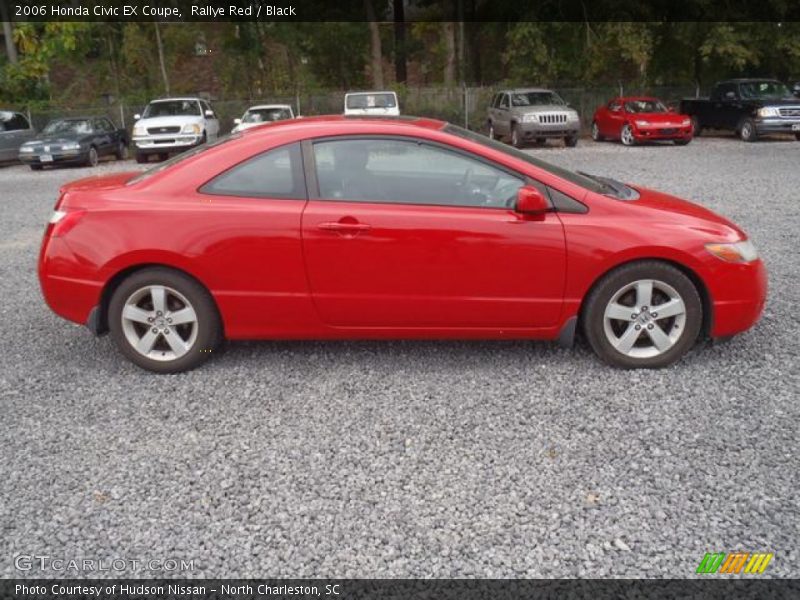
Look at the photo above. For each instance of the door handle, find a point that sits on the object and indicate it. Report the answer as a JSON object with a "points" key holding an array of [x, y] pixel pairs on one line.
{"points": [[344, 227]]}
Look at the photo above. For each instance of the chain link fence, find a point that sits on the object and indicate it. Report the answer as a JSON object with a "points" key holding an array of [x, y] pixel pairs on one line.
{"points": [[464, 106]]}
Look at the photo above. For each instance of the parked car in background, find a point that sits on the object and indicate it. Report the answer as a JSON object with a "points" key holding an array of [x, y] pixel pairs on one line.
{"points": [[170, 125], [263, 113], [532, 114], [75, 141], [340, 228], [15, 130], [749, 107], [633, 120], [376, 104]]}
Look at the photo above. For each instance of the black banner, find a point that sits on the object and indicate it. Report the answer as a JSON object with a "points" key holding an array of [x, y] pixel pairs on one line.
{"points": [[396, 589], [354, 10]]}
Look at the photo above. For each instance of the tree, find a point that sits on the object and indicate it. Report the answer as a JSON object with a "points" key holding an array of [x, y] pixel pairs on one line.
{"points": [[8, 34], [376, 51]]}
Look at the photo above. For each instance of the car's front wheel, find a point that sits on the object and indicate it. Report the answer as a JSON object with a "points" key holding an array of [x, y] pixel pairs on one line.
{"points": [[571, 141], [164, 321], [596, 135], [643, 315], [492, 133], [516, 136], [92, 158], [747, 131], [626, 136]]}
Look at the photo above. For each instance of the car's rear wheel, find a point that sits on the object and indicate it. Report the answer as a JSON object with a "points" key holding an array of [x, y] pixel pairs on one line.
{"points": [[747, 131], [696, 127], [122, 151], [626, 136], [596, 135], [643, 315], [516, 136], [92, 158], [164, 321]]}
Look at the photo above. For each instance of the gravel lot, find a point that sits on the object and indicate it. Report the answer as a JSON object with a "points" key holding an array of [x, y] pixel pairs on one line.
{"points": [[429, 459]]}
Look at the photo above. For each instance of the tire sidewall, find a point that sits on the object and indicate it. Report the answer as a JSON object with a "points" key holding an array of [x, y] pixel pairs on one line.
{"points": [[208, 321], [747, 131], [602, 293]]}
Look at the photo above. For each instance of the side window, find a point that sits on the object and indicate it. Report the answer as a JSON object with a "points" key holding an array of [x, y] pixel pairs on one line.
{"points": [[274, 174], [107, 126], [504, 101], [16, 123], [409, 172], [614, 106], [496, 100]]}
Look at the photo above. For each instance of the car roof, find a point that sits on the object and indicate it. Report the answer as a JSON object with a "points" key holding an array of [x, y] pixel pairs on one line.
{"points": [[636, 98], [255, 106], [371, 92], [181, 98], [524, 90], [335, 122]]}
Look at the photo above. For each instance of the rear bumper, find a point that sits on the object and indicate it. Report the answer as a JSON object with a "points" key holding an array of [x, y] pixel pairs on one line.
{"points": [[159, 144], [739, 300], [67, 293], [72, 158]]}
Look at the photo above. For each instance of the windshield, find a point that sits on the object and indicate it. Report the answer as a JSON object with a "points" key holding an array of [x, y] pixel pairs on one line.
{"points": [[265, 115], [645, 106], [596, 184], [764, 89], [535, 98], [68, 126], [173, 108], [181, 157], [370, 101]]}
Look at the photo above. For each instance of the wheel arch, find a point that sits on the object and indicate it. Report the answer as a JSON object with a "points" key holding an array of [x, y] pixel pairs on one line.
{"points": [[121, 275], [694, 277]]}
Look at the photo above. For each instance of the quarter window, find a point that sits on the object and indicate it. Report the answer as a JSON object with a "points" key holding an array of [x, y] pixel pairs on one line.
{"points": [[274, 174], [409, 172]]}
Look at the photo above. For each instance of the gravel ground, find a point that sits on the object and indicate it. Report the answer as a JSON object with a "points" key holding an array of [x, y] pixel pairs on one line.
{"points": [[429, 459]]}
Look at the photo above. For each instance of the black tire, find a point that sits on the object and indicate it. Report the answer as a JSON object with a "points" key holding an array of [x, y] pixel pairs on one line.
{"points": [[683, 142], [209, 324], [36, 167], [491, 133], [571, 141], [593, 314], [516, 137], [797, 136], [747, 130], [122, 151], [596, 135], [697, 129], [626, 136], [141, 158], [92, 159]]}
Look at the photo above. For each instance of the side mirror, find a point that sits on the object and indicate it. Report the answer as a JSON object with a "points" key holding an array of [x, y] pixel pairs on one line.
{"points": [[137, 116], [530, 201], [237, 121], [210, 114]]}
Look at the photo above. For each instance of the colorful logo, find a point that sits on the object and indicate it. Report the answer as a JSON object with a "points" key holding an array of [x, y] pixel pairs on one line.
{"points": [[753, 562]]}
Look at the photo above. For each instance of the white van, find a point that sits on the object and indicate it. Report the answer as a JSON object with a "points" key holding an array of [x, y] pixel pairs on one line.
{"points": [[383, 104]]}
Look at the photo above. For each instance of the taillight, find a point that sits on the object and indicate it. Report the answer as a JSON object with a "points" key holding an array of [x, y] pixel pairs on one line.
{"points": [[62, 221]]}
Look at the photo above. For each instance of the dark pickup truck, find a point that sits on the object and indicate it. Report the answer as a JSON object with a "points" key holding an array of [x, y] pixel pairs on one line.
{"points": [[750, 107]]}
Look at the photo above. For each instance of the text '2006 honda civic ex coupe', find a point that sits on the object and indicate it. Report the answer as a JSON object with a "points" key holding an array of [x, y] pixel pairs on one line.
{"points": [[338, 227]]}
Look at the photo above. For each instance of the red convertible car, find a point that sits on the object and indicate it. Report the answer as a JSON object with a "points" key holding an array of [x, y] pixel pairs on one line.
{"points": [[338, 227], [635, 120]]}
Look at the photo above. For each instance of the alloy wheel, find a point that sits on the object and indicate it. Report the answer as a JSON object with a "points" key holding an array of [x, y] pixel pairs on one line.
{"points": [[627, 136], [645, 318], [159, 323]]}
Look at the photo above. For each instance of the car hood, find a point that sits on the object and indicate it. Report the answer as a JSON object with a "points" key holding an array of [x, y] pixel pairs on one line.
{"points": [[542, 108], [59, 138], [662, 206], [169, 121]]}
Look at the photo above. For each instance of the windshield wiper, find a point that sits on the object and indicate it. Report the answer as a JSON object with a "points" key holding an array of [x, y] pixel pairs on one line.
{"points": [[617, 188]]}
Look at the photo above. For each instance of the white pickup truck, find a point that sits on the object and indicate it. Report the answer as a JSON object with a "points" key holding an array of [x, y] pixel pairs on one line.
{"points": [[375, 104], [170, 125]]}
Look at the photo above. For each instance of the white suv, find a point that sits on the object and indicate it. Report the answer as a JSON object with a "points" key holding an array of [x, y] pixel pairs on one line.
{"points": [[173, 125]]}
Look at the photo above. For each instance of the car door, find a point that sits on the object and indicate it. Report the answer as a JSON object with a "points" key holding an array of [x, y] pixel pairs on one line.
{"points": [[14, 131], [503, 125], [615, 119], [403, 233], [102, 137]]}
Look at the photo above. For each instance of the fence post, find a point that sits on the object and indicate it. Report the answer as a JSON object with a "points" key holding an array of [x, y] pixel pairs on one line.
{"points": [[297, 101], [122, 114], [466, 107]]}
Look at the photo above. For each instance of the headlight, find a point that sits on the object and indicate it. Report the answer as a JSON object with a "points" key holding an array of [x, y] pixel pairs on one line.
{"points": [[768, 111], [642, 123], [737, 252], [686, 122], [573, 116], [139, 130], [26, 149], [530, 118], [71, 146], [191, 128]]}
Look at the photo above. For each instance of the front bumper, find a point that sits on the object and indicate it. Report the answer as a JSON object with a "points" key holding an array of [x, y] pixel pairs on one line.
{"points": [[738, 298], [170, 142], [662, 133], [778, 125], [549, 130], [61, 157]]}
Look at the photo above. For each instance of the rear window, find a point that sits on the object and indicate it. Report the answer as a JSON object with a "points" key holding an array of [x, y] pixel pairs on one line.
{"points": [[371, 101]]}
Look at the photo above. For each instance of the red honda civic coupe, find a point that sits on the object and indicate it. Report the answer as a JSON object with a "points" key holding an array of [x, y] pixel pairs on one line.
{"points": [[337, 227], [640, 119]]}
